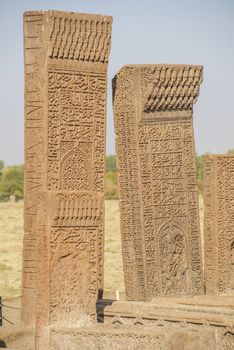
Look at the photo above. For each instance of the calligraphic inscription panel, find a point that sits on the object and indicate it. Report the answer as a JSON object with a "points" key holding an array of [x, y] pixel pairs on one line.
{"points": [[76, 130], [170, 204], [128, 176], [155, 146], [219, 224]]}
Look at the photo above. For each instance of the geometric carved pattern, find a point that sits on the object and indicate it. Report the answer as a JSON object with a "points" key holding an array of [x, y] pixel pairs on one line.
{"points": [[173, 88], [219, 224], [198, 311], [82, 39], [78, 212], [158, 195], [66, 56]]}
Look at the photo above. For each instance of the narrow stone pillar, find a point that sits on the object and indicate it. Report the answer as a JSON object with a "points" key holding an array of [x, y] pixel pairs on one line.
{"points": [[160, 230], [219, 224], [66, 56]]}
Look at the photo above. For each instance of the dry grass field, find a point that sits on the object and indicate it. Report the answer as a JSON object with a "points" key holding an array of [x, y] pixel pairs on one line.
{"points": [[11, 235]]}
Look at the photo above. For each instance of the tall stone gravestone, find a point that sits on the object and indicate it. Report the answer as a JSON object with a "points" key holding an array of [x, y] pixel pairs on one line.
{"points": [[219, 224], [66, 56], [153, 107]]}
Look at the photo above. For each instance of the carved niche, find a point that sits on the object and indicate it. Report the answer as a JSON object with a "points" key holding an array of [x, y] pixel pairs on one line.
{"points": [[173, 260]]}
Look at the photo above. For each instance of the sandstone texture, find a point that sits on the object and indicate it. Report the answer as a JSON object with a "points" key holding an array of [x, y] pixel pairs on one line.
{"points": [[219, 224]]}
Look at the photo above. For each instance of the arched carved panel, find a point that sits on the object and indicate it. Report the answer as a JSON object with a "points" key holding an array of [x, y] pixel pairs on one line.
{"points": [[76, 168], [173, 261]]}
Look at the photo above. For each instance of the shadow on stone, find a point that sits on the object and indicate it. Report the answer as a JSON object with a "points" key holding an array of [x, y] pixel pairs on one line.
{"points": [[2, 344], [100, 306]]}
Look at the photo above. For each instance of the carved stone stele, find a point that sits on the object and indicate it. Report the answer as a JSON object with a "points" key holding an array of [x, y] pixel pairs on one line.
{"points": [[219, 224], [66, 56], [158, 196]]}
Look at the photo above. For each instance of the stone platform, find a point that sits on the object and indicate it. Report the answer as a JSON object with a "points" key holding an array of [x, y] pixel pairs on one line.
{"points": [[164, 324]]}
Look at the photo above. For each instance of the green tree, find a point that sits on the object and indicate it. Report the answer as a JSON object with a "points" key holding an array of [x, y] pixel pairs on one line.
{"points": [[111, 186], [230, 151], [199, 167], [199, 172], [1, 168], [12, 182], [111, 163]]}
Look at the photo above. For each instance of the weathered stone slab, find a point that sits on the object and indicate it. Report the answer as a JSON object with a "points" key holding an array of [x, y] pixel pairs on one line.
{"points": [[164, 324], [66, 56], [158, 195], [219, 224], [180, 312], [106, 338]]}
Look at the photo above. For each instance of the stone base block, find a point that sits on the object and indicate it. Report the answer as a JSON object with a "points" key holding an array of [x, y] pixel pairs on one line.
{"points": [[107, 338], [165, 324]]}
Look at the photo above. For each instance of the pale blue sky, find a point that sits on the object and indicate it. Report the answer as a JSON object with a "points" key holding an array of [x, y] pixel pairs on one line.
{"points": [[144, 31]]}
